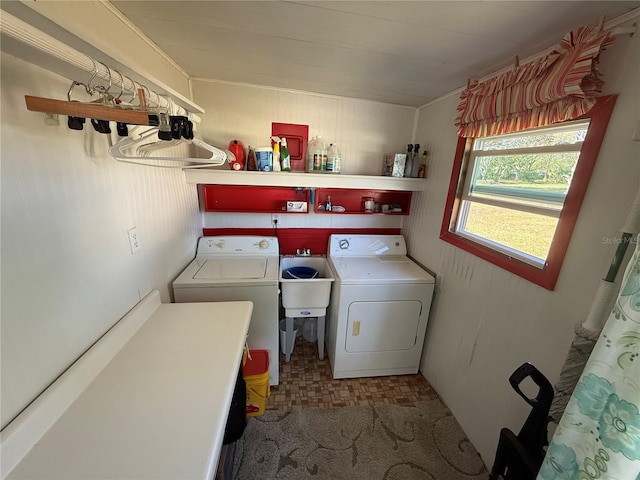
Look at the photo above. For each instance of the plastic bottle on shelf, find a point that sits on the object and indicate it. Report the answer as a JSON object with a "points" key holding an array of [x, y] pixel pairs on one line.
{"points": [[422, 173], [334, 159], [416, 160], [276, 154], [327, 205], [408, 165], [236, 147], [323, 157], [252, 163], [311, 146], [316, 154], [322, 153], [285, 157]]}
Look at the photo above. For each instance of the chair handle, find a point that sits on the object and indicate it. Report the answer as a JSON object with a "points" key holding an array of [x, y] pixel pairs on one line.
{"points": [[545, 392]]}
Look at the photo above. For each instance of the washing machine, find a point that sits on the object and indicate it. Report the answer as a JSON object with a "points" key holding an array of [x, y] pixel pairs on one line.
{"points": [[379, 308], [230, 268]]}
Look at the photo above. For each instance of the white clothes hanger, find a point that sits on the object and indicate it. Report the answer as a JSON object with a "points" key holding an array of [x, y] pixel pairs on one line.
{"points": [[143, 152]]}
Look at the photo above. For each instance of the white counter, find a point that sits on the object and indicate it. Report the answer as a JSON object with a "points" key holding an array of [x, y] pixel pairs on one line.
{"points": [[158, 409]]}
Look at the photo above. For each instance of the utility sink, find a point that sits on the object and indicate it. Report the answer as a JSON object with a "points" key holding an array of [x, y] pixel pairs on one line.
{"points": [[306, 293]]}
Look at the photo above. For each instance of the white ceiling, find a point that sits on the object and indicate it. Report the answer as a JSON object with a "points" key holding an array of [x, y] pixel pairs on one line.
{"points": [[406, 53]]}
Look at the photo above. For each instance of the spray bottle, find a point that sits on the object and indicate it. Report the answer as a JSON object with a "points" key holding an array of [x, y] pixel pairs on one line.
{"points": [[276, 154], [285, 158]]}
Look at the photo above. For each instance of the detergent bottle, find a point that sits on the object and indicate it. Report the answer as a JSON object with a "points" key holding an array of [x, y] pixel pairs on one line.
{"points": [[236, 147]]}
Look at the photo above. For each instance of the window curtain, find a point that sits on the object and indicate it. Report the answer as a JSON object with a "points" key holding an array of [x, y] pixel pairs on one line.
{"points": [[599, 433], [560, 86]]}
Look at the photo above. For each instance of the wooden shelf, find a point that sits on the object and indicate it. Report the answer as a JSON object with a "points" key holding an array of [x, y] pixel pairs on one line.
{"points": [[304, 180]]}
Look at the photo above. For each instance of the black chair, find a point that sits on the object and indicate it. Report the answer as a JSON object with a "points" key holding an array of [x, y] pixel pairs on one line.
{"points": [[519, 457]]}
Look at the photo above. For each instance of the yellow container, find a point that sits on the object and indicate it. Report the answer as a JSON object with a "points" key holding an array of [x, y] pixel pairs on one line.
{"points": [[256, 375]]}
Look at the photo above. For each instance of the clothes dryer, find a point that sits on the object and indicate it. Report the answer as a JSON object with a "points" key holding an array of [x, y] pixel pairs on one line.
{"points": [[379, 307]]}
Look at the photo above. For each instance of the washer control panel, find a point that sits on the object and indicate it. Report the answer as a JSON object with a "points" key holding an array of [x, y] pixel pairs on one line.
{"points": [[366, 245], [238, 245]]}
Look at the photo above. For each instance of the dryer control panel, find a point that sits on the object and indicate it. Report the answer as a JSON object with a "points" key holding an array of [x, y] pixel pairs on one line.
{"points": [[366, 245]]}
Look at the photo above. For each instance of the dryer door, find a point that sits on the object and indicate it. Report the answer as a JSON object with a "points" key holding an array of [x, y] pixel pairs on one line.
{"points": [[391, 325]]}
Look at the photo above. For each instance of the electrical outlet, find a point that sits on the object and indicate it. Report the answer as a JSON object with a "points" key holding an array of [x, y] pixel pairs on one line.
{"points": [[134, 240], [275, 219]]}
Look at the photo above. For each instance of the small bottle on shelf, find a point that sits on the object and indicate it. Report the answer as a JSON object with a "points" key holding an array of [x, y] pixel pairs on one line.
{"points": [[327, 205], [416, 161], [408, 165], [422, 173]]}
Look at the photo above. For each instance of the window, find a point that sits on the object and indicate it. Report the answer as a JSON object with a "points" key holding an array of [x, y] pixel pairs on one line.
{"points": [[515, 180], [514, 198]]}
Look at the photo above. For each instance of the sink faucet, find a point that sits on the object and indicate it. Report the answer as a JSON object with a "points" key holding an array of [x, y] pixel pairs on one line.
{"points": [[303, 252]]}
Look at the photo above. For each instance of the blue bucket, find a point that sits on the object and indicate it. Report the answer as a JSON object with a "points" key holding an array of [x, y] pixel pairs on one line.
{"points": [[300, 273]]}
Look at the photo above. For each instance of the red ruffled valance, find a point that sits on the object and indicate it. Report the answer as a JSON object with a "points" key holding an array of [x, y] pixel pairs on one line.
{"points": [[560, 86]]}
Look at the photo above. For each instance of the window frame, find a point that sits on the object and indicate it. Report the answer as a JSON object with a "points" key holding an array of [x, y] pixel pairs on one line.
{"points": [[546, 276]]}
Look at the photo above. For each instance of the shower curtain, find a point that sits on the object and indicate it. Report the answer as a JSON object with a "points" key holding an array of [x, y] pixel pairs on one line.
{"points": [[598, 436]]}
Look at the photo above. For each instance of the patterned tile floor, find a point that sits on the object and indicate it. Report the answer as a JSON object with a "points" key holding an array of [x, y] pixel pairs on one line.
{"points": [[306, 382]]}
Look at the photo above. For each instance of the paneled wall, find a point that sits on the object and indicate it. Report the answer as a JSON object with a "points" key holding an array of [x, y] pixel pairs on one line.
{"points": [[67, 271], [485, 322], [364, 130]]}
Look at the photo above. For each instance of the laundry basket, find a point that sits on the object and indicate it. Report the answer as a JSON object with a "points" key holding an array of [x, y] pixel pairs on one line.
{"points": [[256, 375]]}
